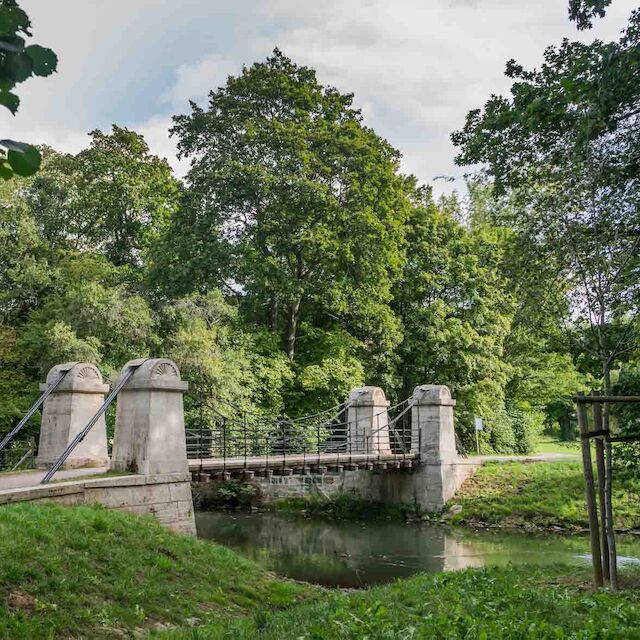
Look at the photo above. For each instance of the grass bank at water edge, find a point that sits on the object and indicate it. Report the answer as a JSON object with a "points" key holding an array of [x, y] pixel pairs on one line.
{"points": [[545, 495], [480, 604], [91, 573]]}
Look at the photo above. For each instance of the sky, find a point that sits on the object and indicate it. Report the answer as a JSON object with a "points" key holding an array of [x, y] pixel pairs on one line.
{"points": [[416, 67]]}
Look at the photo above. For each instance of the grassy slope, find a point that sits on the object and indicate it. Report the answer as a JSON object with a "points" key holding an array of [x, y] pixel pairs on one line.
{"points": [[550, 445], [91, 573], [489, 604], [543, 494]]}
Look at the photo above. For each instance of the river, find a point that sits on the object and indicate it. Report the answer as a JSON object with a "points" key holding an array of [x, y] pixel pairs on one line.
{"points": [[359, 554]]}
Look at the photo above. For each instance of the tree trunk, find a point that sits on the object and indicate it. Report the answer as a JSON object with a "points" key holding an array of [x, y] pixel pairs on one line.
{"points": [[592, 507], [292, 327], [611, 539], [273, 314]]}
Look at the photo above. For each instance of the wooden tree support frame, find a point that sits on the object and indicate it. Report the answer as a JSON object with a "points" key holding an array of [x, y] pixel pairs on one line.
{"points": [[599, 504]]}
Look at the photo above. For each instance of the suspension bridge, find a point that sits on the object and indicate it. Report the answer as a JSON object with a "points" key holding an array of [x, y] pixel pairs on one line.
{"points": [[346, 436], [407, 452]]}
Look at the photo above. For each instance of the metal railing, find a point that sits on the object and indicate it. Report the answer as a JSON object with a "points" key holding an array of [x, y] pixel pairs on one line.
{"points": [[225, 432]]}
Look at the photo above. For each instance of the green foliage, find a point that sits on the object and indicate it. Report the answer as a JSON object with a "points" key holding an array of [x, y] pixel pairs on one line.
{"points": [[626, 419], [176, 582], [564, 149], [451, 301], [229, 368], [227, 494], [24, 270], [582, 12], [527, 426], [297, 264], [94, 316], [326, 370], [490, 603], [18, 63], [114, 197], [346, 506], [88, 572], [540, 494], [293, 200]]}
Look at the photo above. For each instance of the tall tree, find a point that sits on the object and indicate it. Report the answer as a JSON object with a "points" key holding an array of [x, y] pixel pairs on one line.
{"points": [[115, 197], [566, 147], [456, 314], [294, 205]]}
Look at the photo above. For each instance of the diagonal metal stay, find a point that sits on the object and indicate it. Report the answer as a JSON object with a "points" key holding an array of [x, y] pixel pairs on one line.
{"points": [[80, 436], [36, 405]]}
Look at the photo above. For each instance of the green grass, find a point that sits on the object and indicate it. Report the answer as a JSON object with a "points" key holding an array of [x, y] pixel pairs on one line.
{"points": [[486, 604], [551, 445], [87, 572], [541, 494]]}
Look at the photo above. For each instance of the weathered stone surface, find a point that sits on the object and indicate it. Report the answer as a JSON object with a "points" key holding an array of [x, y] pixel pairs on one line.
{"points": [[429, 482], [169, 502], [150, 436], [368, 421], [67, 411]]}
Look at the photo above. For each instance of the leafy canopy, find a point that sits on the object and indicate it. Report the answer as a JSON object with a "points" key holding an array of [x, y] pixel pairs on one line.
{"points": [[565, 147], [19, 62], [293, 203]]}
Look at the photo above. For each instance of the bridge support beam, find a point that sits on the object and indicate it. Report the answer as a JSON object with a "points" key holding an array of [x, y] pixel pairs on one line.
{"points": [[149, 436], [67, 410], [367, 421]]}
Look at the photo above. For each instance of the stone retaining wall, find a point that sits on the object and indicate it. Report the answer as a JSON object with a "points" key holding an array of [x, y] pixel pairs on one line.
{"points": [[390, 486], [165, 496]]}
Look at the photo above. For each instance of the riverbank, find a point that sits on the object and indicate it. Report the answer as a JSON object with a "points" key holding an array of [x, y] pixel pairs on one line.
{"points": [[86, 572], [496, 604], [545, 496], [534, 496], [90, 573]]}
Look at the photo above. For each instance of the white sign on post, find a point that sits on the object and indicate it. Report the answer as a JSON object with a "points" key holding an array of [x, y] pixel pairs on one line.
{"points": [[477, 423]]}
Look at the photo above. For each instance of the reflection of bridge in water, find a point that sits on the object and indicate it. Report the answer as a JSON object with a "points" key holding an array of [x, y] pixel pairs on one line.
{"points": [[344, 554]]}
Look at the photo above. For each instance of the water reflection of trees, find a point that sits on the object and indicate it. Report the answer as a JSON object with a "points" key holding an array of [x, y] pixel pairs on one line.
{"points": [[344, 554]]}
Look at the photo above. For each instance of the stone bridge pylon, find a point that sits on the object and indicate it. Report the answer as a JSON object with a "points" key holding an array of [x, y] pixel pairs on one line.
{"points": [[149, 446], [400, 454]]}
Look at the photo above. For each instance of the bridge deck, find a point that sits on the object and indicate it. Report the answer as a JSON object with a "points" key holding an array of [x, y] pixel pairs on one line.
{"points": [[291, 461], [24, 479]]}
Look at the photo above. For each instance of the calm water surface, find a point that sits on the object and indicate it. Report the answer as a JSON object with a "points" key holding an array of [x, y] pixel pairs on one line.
{"points": [[354, 554]]}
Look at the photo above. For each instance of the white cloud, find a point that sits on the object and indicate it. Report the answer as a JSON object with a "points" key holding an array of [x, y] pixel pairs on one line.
{"points": [[419, 67], [156, 133], [193, 82], [416, 67]]}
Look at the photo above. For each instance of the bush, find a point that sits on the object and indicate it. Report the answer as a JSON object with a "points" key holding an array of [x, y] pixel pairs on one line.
{"points": [[526, 427], [627, 418], [228, 494]]}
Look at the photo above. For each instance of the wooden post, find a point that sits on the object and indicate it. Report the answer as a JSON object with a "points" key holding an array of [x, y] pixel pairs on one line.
{"points": [[587, 467], [611, 537], [600, 466]]}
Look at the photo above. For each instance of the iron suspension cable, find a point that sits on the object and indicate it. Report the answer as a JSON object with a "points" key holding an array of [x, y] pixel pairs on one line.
{"points": [[81, 434], [36, 405]]}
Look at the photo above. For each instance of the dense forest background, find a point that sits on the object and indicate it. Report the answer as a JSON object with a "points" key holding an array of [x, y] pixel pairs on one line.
{"points": [[296, 261]]}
